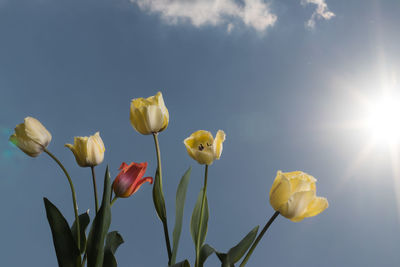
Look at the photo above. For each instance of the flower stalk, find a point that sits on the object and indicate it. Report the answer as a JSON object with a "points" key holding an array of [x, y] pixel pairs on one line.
{"points": [[164, 221], [201, 216], [259, 237], [96, 201], [78, 232]]}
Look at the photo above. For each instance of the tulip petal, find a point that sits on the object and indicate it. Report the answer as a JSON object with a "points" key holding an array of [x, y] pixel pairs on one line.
{"points": [[203, 157], [297, 204], [36, 131], [155, 118], [161, 104], [280, 191], [141, 182], [123, 166], [318, 205], [95, 150], [189, 144], [27, 146], [202, 136], [219, 139], [301, 181], [137, 116]]}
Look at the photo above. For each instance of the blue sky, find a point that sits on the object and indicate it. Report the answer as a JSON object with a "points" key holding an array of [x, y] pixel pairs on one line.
{"points": [[282, 80]]}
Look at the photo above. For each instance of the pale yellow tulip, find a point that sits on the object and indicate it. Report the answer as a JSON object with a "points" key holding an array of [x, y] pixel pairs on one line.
{"points": [[293, 194], [149, 115], [31, 137], [88, 151], [203, 148]]}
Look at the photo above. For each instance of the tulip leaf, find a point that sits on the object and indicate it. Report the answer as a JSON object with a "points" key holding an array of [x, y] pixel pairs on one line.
{"points": [[184, 263], [158, 197], [237, 252], [99, 229], [113, 241], [109, 259], [224, 258], [180, 204], [66, 248], [195, 221], [205, 251], [84, 220]]}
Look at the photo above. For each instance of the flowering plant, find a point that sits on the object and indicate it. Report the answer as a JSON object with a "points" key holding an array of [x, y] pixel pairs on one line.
{"points": [[293, 194]]}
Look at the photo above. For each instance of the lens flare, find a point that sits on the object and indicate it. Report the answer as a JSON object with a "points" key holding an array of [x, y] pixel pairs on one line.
{"points": [[384, 121]]}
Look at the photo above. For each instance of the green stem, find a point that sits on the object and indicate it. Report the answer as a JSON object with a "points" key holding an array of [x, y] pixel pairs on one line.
{"points": [[201, 217], [78, 229], [271, 220], [165, 225], [95, 189], [113, 201]]}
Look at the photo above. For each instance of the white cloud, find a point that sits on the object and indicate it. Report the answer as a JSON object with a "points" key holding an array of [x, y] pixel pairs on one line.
{"points": [[230, 28], [252, 13], [321, 12]]}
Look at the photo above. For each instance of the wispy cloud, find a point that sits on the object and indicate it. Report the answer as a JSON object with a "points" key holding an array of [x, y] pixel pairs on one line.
{"points": [[252, 13], [321, 12]]}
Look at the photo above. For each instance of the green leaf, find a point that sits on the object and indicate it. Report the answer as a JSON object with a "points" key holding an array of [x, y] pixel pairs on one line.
{"points": [[179, 207], [195, 221], [109, 259], [66, 248], [237, 252], [113, 241], [224, 258], [158, 197], [205, 252], [184, 263], [99, 229], [84, 220]]}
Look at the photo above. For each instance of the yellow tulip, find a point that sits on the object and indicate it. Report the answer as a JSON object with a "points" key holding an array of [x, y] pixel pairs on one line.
{"points": [[293, 194], [203, 148], [31, 137], [149, 115], [88, 151]]}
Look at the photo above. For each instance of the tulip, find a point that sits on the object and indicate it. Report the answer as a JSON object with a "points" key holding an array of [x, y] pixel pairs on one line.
{"points": [[293, 194], [31, 137], [203, 148], [88, 151], [129, 179], [149, 115]]}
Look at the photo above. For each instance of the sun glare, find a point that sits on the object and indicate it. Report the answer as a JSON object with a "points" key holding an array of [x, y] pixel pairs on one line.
{"points": [[384, 120]]}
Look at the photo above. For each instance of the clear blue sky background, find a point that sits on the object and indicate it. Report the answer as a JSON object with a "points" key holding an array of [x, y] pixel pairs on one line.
{"points": [[283, 96]]}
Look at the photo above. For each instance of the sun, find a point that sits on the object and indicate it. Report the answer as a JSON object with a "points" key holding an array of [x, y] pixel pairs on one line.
{"points": [[383, 121]]}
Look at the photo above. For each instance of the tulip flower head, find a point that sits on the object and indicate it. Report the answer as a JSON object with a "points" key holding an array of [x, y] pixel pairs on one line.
{"points": [[293, 194], [202, 146], [129, 179], [31, 137], [88, 151], [149, 115]]}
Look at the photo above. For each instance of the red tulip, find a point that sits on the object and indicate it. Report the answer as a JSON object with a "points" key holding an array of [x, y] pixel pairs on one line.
{"points": [[129, 179]]}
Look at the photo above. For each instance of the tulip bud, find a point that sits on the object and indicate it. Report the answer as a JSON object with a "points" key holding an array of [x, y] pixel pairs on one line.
{"points": [[149, 115], [293, 194], [31, 137], [129, 179], [203, 148], [88, 151]]}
